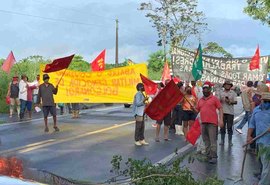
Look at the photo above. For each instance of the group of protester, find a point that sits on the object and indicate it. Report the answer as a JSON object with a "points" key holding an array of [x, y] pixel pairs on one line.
{"points": [[23, 93], [213, 110]]}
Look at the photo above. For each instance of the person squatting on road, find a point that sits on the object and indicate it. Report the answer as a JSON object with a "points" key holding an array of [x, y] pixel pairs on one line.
{"points": [[207, 106], [228, 100], [45, 95], [260, 120], [139, 103]]}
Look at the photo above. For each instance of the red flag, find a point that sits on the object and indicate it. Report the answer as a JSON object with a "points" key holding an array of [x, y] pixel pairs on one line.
{"points": [[164, 102], [176, 79], [99, 63], [194, 132], [255, 60], [149, 86], [166, 73], [8, 63], [58, 64]]}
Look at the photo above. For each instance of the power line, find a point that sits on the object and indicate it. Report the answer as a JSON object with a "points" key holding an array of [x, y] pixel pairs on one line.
{"points": [[48, 18], [71, 9]]}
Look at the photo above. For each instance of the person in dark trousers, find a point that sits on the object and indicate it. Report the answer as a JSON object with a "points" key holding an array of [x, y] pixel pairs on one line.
{"points": [[45, 94], [228, 100], [139, 103]]}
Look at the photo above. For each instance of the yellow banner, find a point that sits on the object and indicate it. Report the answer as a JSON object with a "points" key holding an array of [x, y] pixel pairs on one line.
{"points": [[110, 86]]}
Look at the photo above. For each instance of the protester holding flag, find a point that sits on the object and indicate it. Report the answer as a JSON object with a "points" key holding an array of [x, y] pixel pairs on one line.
{"points": [[13, 93], [45, 94], [207, 106], [167, 122], [228, 100], [178, 113], [139, 103]]}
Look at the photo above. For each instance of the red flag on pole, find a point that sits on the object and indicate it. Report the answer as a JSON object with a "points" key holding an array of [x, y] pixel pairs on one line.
{"points": [[194, 132], [166, 73], [98, 63], [8, 63], [255, 60], [149, 86], [164, 102], [58, 64]]}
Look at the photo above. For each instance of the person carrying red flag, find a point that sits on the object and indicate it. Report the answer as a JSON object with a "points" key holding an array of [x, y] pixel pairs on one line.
{"points": [[45, 94], [207, 107]]}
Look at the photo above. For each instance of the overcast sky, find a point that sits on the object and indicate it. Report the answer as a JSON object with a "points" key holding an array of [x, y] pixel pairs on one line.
{"points": [[86, 27]]}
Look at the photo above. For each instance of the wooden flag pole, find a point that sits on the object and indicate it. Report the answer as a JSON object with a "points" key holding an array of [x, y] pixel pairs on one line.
{"points": [[61, 77]]}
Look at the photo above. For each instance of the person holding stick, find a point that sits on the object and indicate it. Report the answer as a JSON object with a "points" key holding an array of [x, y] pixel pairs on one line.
{"points": [[260, 120], [45, 94]]}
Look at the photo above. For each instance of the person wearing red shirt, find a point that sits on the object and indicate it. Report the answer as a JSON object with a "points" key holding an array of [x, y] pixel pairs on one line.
{"points": [[207, 106]]}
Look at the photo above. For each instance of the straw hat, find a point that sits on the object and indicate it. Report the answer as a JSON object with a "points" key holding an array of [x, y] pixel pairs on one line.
{"points": [[266, 95], [262, 88]]}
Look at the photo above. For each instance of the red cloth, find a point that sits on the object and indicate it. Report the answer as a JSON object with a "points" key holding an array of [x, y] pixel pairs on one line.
{"points": [[30, 92], [58, 64], [193, 92], [208, 109], [8, 63], [8, 100], [255, 60], [194, 132], [149, 86], [98, 63], [166, 73], [164, 102], [176, 80]]}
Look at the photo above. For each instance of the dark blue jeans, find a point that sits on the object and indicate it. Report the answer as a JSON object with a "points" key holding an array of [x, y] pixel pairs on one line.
{"points": [[244, 120], [23, 107]]}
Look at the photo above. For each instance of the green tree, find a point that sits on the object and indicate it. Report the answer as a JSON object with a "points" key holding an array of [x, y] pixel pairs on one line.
{"points": [[155, 65], [175, 20], [79, 64], [212, 48], [259, 10]]}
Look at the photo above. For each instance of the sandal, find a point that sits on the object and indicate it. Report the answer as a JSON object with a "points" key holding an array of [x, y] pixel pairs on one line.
{"points": [[167, 139], [56, 129], [157, 140]]}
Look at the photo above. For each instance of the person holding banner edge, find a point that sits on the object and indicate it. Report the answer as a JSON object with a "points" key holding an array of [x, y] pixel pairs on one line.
{"points": [[139, 103]]}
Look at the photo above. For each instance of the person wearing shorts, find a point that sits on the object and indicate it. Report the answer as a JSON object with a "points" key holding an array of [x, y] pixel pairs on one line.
{"points": [[45, 94], [189, 103], [167, 123]]}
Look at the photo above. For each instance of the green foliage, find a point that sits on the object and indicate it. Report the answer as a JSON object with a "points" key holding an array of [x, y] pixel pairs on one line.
{"points": [[175, 20], [259, 10], [143, 172], [212, 48], [79, 64]]}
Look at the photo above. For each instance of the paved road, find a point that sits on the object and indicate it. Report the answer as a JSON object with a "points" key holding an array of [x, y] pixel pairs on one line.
{"points": [[84, 147]]}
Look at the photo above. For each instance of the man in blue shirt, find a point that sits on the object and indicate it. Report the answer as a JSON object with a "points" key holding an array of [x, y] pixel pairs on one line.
{"points": [[139, 103], [260, 120]]}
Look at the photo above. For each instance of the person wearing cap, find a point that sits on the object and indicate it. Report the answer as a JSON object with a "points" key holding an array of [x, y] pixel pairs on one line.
{"points": [[207, 107], [45, 95], [139, 103], [246, 97], [23, 95], [13, 93], [228, 100], [260, 120]]}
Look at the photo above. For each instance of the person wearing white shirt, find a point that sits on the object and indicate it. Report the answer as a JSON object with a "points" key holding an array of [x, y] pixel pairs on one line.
{"points": [[23, 95]]}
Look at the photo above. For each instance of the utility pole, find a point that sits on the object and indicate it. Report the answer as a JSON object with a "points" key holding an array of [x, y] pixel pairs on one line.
{"points": [[116, 44]]}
